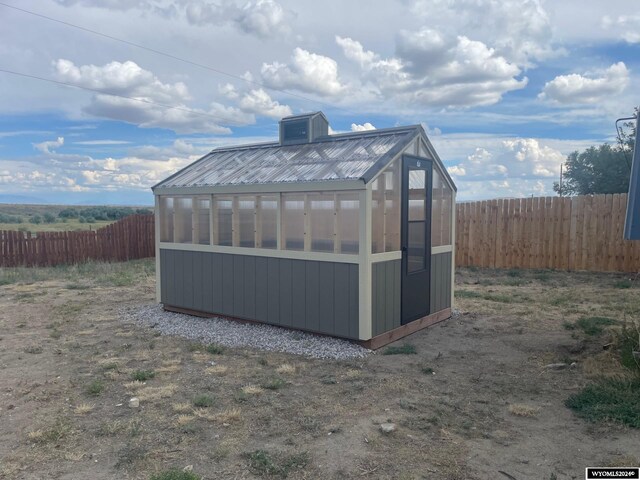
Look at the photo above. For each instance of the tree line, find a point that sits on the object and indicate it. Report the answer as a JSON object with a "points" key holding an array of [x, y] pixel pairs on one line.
{"points": [[600, 169], [82, 215]]}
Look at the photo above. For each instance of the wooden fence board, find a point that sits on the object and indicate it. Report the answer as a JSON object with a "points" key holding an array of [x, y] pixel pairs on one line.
{"points": [[127, 239], [577, 233]]}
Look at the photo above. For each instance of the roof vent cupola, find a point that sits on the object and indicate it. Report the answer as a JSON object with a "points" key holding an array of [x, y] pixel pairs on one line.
{"points": [[304, 128]]}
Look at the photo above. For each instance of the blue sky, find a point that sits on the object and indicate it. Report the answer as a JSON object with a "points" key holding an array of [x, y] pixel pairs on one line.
{"points": [[506, 89]]}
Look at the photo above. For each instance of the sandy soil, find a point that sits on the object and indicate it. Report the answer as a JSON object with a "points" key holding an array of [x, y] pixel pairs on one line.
{"points": [[475, 401]]}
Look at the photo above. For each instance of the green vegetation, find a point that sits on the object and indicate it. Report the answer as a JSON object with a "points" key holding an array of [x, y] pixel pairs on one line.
{"points": [[263, 463], [623, 284], [273, 384], [95, 388], [61, 218], [609, 400], [406, 349], [175, 474], [203, 401], [108, 274], [214, 349], [591, 326], [629, 342], [143, 375]]}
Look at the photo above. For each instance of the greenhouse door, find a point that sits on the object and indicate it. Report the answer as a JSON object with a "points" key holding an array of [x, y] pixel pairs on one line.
{"points": [[416, 237]]}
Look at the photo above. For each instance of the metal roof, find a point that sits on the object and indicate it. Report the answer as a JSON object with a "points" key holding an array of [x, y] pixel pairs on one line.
{"points": [[334, 157]]}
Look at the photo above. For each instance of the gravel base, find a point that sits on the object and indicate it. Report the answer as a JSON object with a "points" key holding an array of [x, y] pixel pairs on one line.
{"points": [[237, 334]]}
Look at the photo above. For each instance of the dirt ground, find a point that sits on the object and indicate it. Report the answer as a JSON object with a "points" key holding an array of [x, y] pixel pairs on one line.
{"points": [[474, 402]]}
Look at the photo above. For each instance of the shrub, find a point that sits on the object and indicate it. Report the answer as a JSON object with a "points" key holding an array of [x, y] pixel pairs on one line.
{"points": [[36, 220], [214, 349], [143, 375], [609, 400], [594, 325], [48, 217], [203, 401], [95, 388]]}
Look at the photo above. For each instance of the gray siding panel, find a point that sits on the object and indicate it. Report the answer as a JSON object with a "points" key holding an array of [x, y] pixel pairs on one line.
{"points": [[262, 289], [312, 317], [310, 295], [440, 281], [298, 293], [326, 297], [385, 307]]}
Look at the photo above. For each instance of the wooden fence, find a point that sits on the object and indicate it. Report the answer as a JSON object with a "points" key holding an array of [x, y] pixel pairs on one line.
{"points": [[570, 233], [127, 239]]}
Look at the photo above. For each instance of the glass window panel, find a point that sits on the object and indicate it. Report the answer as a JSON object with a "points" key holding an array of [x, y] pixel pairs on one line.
{"points": [[436, 210], [293, 217], [166, 219], [267, 224], [377, 214], [246, 220], [201, 216], [348, 221], [417, 194], [416, 246], [223, 216], [441, 211], [322, 210], [183, 220], [385, 210]]}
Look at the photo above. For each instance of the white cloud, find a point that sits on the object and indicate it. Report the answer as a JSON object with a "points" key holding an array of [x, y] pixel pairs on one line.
{"points": [[263, 18], [627, 26], [519, 30], [430, 69], [130, 80], [45, 147], [307, 72], [259, 102], [362, 128], [589, 88]]}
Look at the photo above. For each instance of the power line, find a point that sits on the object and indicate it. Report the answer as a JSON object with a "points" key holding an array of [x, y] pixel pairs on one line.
{"points": [[142, 100], [169, 55]]}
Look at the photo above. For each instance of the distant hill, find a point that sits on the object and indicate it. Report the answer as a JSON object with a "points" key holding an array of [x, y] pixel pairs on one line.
{"points": [[22, 199]]}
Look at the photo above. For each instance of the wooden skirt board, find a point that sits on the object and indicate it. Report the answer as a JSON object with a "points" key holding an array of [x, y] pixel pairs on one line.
{"points": [[372, 344], [400, 332]]}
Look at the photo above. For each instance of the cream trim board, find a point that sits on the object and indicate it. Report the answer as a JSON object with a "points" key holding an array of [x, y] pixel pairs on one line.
{"points": [[453, 247], [441, 249], [263, 252], [319, 186], [157, 248], [386, 256], [364, 270]]}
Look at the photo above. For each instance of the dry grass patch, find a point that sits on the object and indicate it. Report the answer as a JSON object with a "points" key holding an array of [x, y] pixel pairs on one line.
{"points": [[229, 415], [36, 435], [149, 394], [216, 370], [133, 386], [201, 357], [286, 368], [603, 365], [74, 456], [352, 373], [184, 419], [523, 410], [168, 369], [83, 409], [181, 407], [252, 390]]}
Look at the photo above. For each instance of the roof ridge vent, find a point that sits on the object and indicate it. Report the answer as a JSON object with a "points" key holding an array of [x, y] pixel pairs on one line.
{"points": [[305, 128]]}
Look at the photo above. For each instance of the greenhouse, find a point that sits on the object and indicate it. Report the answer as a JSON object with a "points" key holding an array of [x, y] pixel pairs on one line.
{"points": [[349, 235]]}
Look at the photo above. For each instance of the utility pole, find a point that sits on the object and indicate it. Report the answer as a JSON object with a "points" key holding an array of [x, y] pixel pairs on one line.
{"points": [[560, 189]]}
